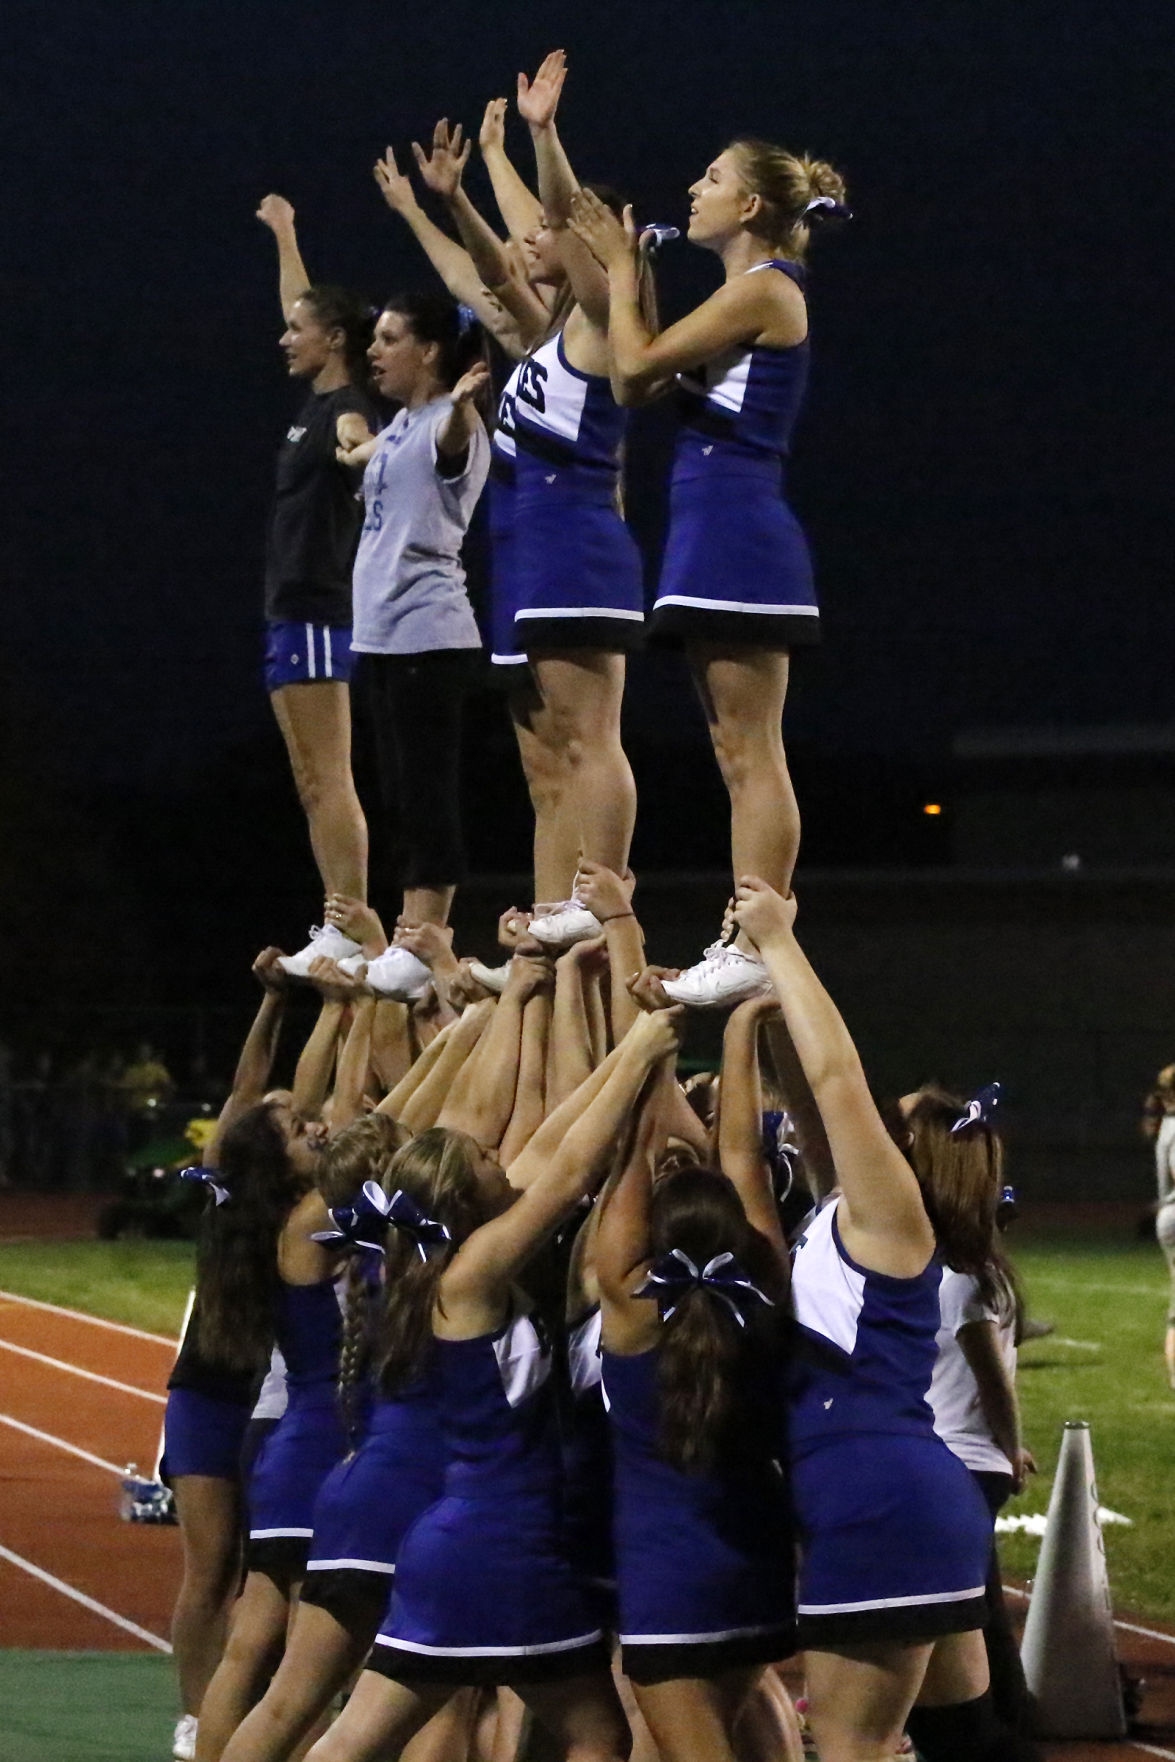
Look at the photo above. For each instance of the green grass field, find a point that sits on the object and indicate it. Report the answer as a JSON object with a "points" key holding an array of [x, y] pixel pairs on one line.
{"points": [[1104, 1364]]}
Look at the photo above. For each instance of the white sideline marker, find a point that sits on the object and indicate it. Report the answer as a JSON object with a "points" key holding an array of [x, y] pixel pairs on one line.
{"points": [[75, 1370], [98, 1321], [91, 1603]]}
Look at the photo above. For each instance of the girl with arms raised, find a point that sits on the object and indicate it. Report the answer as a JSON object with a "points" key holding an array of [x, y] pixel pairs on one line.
{"points": [[736, 582]]}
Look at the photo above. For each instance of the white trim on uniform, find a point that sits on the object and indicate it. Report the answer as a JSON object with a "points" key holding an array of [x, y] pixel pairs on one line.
{"points": [[688, 599], [327, 656], [508, 660], [577, 612], [888, 1602], [311, 671], [269, 1535], [724, 1633], [341, 1565], [491, 1651]]}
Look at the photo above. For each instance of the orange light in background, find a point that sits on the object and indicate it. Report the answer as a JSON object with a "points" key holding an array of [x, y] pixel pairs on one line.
{"points": [[932, 807]]}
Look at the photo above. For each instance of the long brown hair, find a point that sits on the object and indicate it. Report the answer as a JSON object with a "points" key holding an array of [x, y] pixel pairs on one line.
{"points": [[435, 1169], [705, 1360], [961, 1175], [236, 1257], [361, 1152]]}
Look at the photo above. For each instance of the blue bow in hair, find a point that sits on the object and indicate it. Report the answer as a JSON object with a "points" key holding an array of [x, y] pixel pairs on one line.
{"points": [[211, 1179], [466, 319], [405, 1215], [675, 1275], [362, 1225], [979, 1109], [658, 235]]}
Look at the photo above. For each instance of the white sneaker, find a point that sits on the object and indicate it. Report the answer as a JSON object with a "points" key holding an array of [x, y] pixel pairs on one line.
{"points": [[351, 964], [397, 973], [493, 978], [723, 977], [324, 939], [183, 1744], [567, 923]]}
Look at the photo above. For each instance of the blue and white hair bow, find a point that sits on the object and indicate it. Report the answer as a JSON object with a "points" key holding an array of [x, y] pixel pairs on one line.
{"points": [[826, 207], [979, 1110], [675, 1275], [466, 319], [405, 1215], [363, 1225], [210, 1178], [658, 235]]}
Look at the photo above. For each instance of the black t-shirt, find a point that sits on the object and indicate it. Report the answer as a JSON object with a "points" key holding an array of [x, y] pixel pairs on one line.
{"points": [[193, 1371], [317, 513]]}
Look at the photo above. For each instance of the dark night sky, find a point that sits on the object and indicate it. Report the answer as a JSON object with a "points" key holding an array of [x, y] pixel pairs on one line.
{"points": [[983, 468]]}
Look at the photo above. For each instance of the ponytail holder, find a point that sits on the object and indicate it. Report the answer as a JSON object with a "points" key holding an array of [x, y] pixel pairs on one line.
{"points": [[675, 1275], [979, 1110], [210, 1178], [826, 208], [466, 319], [405, 1215], [363, 1225], [657, 235]]}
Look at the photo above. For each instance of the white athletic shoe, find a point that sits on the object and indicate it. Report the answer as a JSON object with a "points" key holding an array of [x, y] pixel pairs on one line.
{"points": [[183, 1744], [397, 973], [324, 939], [351, 963], [566, 923], [493, 978], [723, 977]]}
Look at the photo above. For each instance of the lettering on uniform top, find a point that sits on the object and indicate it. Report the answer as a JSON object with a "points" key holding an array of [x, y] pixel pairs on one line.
{"points": [[295, 433], [829, 1402], [531, 379], [506, 413]]}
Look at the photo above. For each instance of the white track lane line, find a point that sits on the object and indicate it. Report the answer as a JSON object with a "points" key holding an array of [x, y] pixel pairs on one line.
{"points": [[1128, 1627], [59, 1584], [76, 1371], [19, 1425], [1151, 1749], [98, 1321]]}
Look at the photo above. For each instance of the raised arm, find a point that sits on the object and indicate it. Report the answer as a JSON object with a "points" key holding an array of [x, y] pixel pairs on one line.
{"points": [[530, 1094], [519, 207], [316, 1063], [451, 261], [442, 170], [796, 1093], [346, 1103], [482, 1101], [422, 1107], [740, 1119], [572, 1056], [538, 100], [255, 1064], [883, 1221], [609, 898], [743, 310], [277, 214], [482, 1271], [455, 435]]}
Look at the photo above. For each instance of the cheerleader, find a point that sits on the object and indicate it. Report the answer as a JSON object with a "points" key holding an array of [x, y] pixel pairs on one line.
{"points": [[313, 529], [483, 1592], [209, 1402], [691, 1282], [567, 583], [268, 1278], [736, 582], [894, 1533]]}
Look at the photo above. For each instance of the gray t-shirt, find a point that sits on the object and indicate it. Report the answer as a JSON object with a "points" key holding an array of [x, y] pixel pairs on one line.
{"points": [[409, 587]]}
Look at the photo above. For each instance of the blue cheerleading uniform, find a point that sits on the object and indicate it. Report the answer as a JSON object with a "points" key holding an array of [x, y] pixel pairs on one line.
{"points": [[737, 566], [505, 654], [894, 1535], [309, 1439], [484, 1591], [574, 572], [704, 1562], [587, 1467]]}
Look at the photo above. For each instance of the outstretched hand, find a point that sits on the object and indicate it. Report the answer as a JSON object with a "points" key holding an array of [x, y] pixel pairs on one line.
{"points": [[609, 240], [471, 385], [276, 213], [604, 893], [513, 925], [268, 973], [492, 133], [660, 1032], [761, 912], [395, 185], [430, 943], [443, 170], [538, 99], [332, 983], [358, 921], [645, 987]]}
